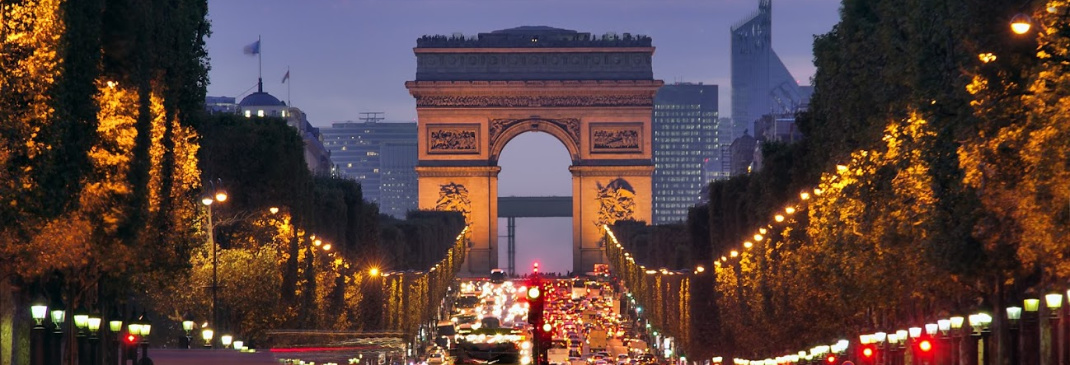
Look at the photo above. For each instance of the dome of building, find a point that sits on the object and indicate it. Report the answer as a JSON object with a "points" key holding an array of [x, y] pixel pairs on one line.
{"points": [[260, 98]]}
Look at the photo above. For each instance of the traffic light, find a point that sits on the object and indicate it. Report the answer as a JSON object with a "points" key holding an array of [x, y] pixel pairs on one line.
{"points": [[831, 359], [868, 353], [130, 347], [925, 349], [535, 304]]}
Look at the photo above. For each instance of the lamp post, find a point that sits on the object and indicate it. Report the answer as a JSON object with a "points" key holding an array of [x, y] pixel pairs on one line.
{"points": [[187, 325], [115, 326], [956, 338], [1054, 302], [81, 323], [1031, 329], [93, 324], [226, 340], [944, 325], [979, 323], [216, 194], [144, 330], [37, 338], [1014, 314], [58, 315], [206, 335]]}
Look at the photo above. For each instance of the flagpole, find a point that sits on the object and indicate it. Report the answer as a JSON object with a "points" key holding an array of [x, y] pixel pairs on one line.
{"points": [[288, 102], [260, 58]]}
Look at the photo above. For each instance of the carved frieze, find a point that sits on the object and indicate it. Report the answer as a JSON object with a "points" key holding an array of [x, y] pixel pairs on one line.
{"points": [[571, 127], [617, 138], [616, 201], [433, 101], [454, 197], [453, 138]]}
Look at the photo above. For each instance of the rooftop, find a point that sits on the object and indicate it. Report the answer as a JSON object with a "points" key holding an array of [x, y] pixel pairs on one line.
{"points": [[533, 37]]}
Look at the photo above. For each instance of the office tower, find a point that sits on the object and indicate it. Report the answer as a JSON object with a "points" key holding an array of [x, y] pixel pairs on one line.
{"points": [[761, 84], [687, 147], [382, 156]]}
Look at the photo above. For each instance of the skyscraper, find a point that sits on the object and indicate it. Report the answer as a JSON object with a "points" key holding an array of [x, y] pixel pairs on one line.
{"points": [[761, 84], [687, 143], [382, 156]]}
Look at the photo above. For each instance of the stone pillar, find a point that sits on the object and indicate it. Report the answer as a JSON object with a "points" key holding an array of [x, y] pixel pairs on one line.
{"points": [[603, 195], [474, 192]]}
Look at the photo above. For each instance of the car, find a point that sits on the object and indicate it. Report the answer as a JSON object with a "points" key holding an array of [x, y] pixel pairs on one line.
{"points": [[497, 276], [436, 358]]}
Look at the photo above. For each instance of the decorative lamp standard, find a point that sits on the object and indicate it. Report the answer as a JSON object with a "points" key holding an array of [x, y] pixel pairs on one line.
{"points": [[58, 315], [915, 336], [206, 335], [957, 336], [216, 193], [227, 340], [93, 324], [893, 348], [880, 338], [81, 322], [1054, 302], [115, 326], [1030, 331], [187, 325], [945, 336], [37, 339], [1014, 314], [143, 333], [239, 345]]}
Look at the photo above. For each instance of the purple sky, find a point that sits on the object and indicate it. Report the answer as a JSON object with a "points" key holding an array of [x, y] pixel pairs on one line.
{"points": [[352, 56]]}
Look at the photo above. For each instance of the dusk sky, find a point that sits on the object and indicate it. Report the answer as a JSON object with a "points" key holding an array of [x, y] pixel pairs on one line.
{"points": [[352, 56]]}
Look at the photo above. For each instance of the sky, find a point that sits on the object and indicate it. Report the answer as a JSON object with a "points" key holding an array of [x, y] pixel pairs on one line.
{"points": [[350, 56]]}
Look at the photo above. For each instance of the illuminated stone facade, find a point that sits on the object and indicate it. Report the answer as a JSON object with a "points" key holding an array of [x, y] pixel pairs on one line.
{"points": [[594, 94]]}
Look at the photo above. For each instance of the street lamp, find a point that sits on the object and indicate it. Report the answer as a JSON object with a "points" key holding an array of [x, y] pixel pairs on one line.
{"points": [[93, 324], [37, 340], [215, 193], [144, 330], [1021, 23], [187, 325], [1014, 314], [227, 340], [206, 335], [115, 325], [1054, 302]]}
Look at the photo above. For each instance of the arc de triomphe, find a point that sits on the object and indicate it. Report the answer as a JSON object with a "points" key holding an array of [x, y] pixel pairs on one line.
{"points": [[593, 93]]}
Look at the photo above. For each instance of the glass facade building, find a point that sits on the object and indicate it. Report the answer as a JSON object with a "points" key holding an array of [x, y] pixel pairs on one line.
{"points": [[761, 84], [382, 156], [687, 142]]}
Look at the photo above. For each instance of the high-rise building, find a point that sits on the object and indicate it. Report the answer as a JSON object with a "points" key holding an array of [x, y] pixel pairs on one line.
{"points": [[687, 148], [761, 84], [382, 156]]}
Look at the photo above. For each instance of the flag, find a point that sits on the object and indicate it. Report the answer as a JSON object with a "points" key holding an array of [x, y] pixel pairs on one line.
{"points": [[252, 48], [286, 76]]}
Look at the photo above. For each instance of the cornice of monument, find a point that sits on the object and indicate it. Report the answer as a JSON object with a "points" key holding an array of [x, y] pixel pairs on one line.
{"points": [[420, 50]]}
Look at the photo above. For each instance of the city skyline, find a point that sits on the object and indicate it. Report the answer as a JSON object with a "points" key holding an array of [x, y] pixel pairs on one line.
{"points": [[362, 66]]}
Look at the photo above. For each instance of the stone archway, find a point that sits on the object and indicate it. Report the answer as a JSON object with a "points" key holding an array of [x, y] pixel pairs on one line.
{"points": [[595, 96]]}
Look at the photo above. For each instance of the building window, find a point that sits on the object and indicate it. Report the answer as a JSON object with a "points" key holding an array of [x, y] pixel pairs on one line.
{"points": [[248, 113], [260, 113]]}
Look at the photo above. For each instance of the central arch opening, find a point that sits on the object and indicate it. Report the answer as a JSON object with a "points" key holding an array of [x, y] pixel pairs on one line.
{"points": [[535, 164]]}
